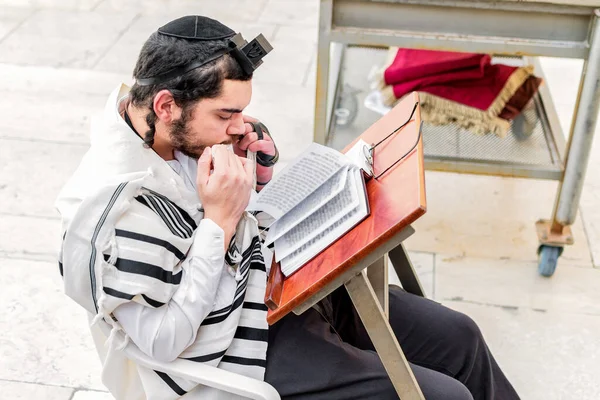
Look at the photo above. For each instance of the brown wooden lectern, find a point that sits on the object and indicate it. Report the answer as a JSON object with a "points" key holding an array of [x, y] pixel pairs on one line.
{"points": [[397, 199]]}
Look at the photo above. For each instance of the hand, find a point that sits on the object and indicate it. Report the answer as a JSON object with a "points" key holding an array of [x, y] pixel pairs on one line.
{"points": [[250, 142], [226, 192]]}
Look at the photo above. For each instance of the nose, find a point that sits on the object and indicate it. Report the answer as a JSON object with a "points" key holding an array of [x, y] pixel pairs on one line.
{"points": [[237, 126]]}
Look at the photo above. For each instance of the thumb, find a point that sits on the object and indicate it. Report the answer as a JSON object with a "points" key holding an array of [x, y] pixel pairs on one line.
{"points": [[204, 164], [248, 167]]}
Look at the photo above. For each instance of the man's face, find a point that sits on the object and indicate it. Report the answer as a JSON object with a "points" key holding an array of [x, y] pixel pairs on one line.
{"points": [[212, 121]]}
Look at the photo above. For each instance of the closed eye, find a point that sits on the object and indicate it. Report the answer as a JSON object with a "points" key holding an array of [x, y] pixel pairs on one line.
{"points": [[226, 118]]}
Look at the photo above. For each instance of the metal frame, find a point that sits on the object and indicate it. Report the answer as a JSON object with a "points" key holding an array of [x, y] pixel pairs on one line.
{"points": [[367, 285], [582, 133], [366, 302], [525, 28]]}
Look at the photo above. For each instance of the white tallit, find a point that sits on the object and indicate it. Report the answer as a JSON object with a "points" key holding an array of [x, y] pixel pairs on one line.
{"points": [[128, 223]]}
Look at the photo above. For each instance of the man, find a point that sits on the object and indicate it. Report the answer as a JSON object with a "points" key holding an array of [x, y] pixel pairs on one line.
{"points": [[158, 247]]}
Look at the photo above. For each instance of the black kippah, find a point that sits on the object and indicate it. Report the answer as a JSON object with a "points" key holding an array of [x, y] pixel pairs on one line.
{"points": [[196, 27]]}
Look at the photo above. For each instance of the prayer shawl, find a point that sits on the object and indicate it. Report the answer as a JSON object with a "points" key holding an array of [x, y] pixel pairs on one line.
{"points": [[128, 222], [461, 88]]}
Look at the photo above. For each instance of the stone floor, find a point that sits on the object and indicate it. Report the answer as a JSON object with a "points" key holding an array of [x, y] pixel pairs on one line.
{"points": [[474, 249]]}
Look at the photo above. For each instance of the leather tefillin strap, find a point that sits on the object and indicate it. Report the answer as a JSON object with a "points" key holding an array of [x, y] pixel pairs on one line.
{"points": [[263, 159]]}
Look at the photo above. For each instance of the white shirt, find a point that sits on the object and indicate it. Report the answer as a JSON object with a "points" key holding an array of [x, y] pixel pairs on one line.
{"points": [[163, 333]]}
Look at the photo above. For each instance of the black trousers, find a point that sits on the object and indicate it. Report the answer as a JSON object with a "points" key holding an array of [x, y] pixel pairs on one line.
{"points": [[327, 354]]}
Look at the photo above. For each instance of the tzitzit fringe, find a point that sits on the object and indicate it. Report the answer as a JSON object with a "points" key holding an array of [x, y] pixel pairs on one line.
{"points": [[439, 111], [379, 79]]}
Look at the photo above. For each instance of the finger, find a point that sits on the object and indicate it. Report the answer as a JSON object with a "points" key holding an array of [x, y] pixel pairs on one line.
{"points": [[247, 118], [247, 140], [220, 158], [236, 168], [264, 146], [204, 164], [238, 152], [248, 168], [247, 125], [248, 128], [239, 164]]}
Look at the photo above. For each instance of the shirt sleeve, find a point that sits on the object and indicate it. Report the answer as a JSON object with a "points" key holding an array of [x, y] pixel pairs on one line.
{"points": [[163, 333]]}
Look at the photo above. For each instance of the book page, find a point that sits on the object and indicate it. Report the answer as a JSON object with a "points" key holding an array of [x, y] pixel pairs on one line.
{"points": [[341, 205], [361, 156], [312, 203], [310, 249], [299, 179]]}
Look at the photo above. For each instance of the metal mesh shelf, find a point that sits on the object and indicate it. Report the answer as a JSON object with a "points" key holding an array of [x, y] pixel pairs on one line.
{"points": [[449, 147]]}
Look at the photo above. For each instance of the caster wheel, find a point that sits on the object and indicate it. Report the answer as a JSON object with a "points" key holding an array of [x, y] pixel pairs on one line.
{"points": [[547, 259]]}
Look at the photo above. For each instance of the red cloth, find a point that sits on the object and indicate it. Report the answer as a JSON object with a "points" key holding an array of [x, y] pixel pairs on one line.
{"points": [[479, 93], [465, 78], [519, 100], [413, 64]]}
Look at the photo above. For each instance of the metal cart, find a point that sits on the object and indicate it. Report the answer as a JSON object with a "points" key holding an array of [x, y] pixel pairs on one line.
{"points": [[507, 28]]}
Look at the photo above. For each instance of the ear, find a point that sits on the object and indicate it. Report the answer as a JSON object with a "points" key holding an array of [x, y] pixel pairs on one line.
{"points": [[165, 108]]}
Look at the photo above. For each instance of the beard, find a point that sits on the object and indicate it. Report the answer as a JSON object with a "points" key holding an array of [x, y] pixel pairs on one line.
{"points": [[180, 135], [185, 140]]}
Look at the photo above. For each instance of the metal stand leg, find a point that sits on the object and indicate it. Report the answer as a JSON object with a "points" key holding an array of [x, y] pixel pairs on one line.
{"points": [[405, 271], [365, 300], [554, 234], [582, 133], [325, 15], [378, 276]]}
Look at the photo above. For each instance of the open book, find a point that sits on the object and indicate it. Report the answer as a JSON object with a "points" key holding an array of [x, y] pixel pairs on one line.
{"points": [[314, 201]]}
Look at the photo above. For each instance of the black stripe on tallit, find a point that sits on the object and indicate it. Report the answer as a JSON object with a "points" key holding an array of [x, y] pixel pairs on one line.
{"points": [[256, 263], [60, 268], [151, 240], [217, 312], [249, 261], [244, 361], [223, 313], [255, 306], [207, 357], [151, 204], [152, 302], [117, 293], [258, 266], [248, 333], [244, 267], [228, 260], [173, 214], [186, 217], [101, 221], [252, 254], [215, 320], [142, 268], [231, 251], [142, 200], [251, 248], [176, 388], [241, 285], [166, 213], [127, 296]]}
